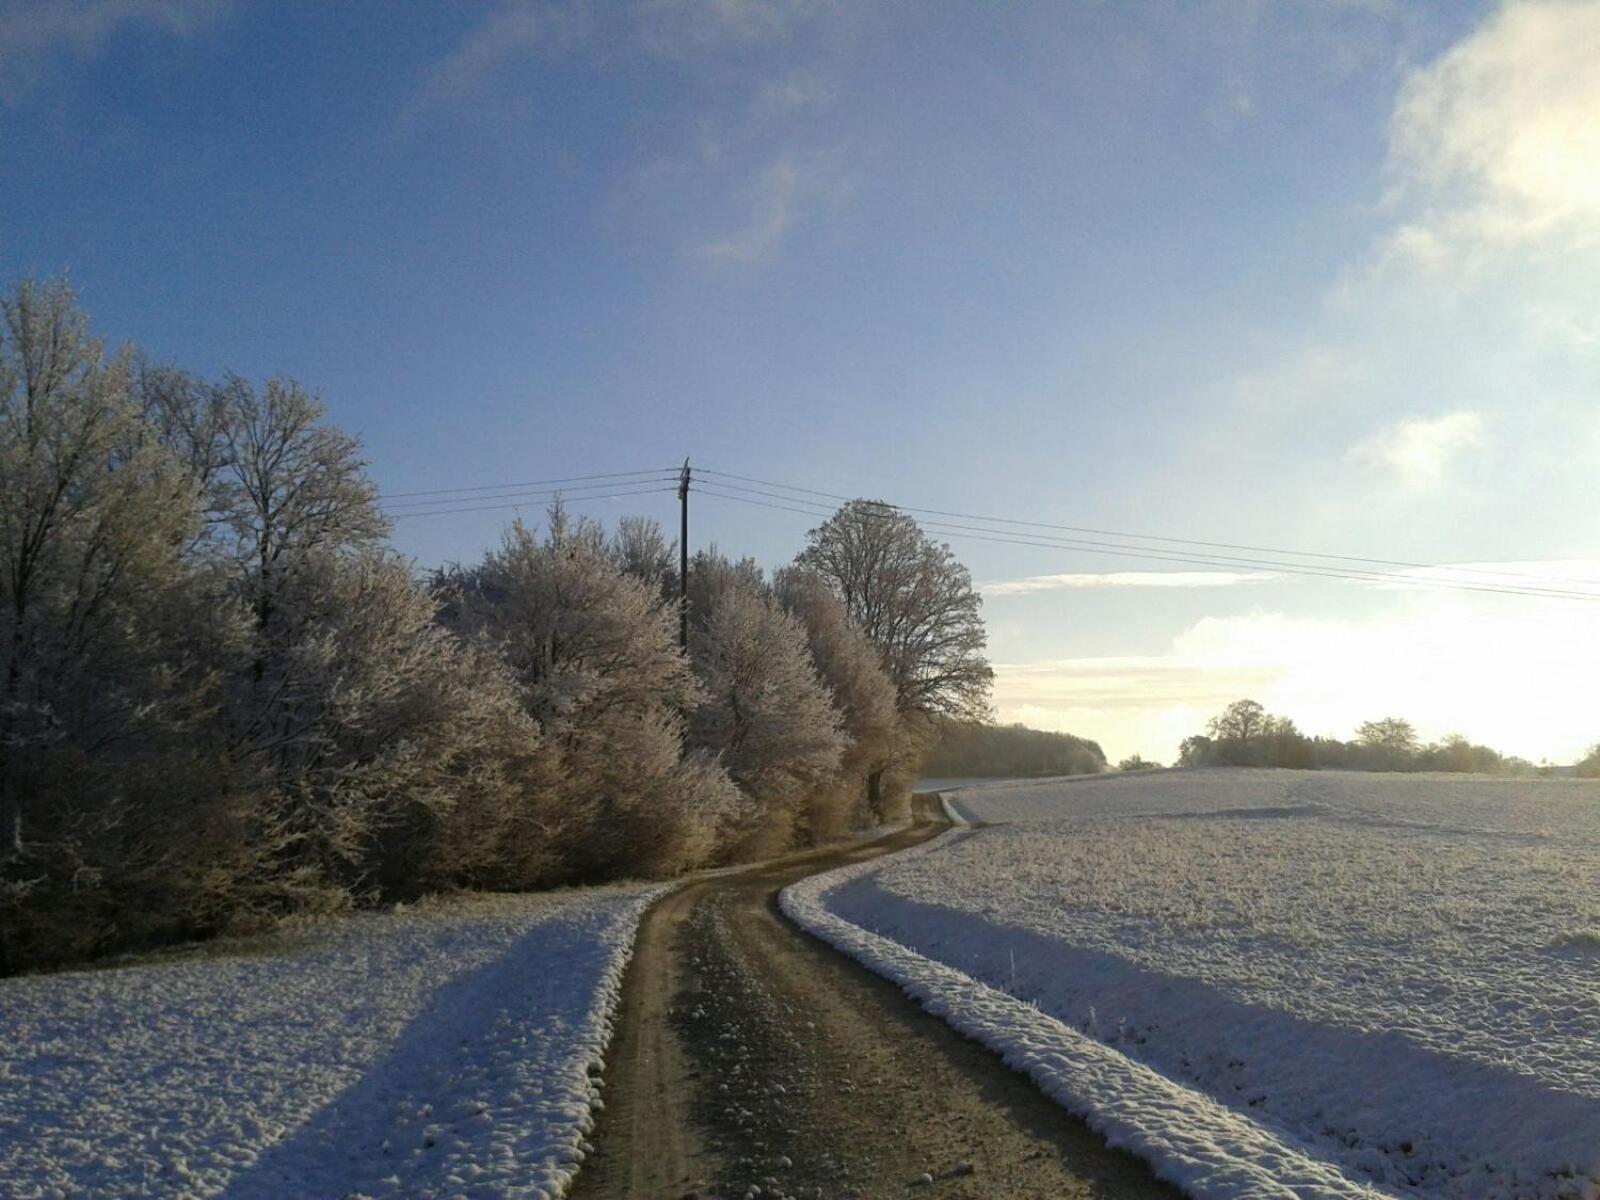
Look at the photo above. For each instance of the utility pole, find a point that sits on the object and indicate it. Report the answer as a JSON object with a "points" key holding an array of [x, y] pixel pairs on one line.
{"points": [[683, 559]]}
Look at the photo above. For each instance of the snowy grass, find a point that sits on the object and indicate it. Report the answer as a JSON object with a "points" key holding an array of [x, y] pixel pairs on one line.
{"points": [[449, 1050], [1400, 975]]}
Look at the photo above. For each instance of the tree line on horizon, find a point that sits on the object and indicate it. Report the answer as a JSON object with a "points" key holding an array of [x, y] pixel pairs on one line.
{"points": [[980, 750], [1245, 734], [225, 699]]}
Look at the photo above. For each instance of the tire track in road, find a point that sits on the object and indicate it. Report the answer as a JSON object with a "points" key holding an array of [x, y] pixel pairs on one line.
{"points": [[753, 1060]]}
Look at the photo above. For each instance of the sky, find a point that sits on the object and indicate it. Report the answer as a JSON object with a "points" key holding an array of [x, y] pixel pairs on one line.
{"points": [[1309, 275]]}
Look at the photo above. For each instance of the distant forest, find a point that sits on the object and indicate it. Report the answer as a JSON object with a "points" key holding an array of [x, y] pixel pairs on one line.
{"points": [[969, 749], [1246, 735]]}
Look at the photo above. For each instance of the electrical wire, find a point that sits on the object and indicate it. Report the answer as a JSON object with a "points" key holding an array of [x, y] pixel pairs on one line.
{"points": [[577, 492], [614, 495], [533, 483], [1156, 554], [1145, 537], [998, 530]]}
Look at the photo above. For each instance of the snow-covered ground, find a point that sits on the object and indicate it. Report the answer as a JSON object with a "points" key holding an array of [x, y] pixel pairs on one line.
{"points": [[444, 1051], [1398, 976]]}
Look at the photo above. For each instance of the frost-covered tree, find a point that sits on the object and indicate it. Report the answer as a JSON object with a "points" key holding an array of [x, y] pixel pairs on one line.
{"points": [[290, 489], [294, 536], [640, 548], [594, 651], [106, 659], [763, 710], [364, 727], [849, 665], [914, 600]]}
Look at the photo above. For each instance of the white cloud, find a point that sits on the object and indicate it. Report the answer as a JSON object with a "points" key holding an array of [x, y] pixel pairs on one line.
{"points": [[1137, 704], [506, 34], [792, 188], [1515, 673], [689, 28], [1125, 579], [36, 37], [1496, 146], [671, 29], [1419, 450]]}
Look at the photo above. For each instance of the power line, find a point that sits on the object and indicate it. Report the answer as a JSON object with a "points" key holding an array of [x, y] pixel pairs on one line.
{"points": [[1146, 537], [441, 512], [578, 492], [1157, 554], [1163, 554], [1012, 531], [532, 483], [1152, 554]]}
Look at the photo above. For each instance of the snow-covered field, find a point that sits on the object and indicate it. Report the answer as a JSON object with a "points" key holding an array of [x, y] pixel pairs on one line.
{"points": [[1396, 976], [443, 1051]]}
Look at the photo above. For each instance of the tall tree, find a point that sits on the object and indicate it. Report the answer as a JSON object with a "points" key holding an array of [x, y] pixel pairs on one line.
{"points": [[1394, 734], [1241, 721], [290, 487], [105, 681], [594, 650], [913, 599], [640, 549], [850, 666], [763, 710]]}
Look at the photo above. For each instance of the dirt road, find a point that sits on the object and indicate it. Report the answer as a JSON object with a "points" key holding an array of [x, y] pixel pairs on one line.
{"points": [[752, 1060]]}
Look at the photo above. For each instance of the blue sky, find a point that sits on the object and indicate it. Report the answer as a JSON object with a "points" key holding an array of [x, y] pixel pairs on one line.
{"points": [[1306, 275]]}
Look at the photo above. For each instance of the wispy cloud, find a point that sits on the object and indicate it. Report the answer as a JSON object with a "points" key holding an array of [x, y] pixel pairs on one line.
{"points": [[688, 28], [36, 38], [506, 34], [1418, 451], [790, 189], [1125, 579], [1496, 146], [747, 171], [796, 93]]}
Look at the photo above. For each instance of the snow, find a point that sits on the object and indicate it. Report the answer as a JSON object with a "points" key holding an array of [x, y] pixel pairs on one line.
{"points": [[448, 1050], [1395, 977], [950, 812]]}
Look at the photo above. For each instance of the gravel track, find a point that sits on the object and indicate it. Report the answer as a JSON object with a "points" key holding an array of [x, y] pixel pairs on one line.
{"points": [[753, 1061]]}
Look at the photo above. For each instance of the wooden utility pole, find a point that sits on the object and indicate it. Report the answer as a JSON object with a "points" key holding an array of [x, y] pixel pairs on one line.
{"points": [[683, 559]]}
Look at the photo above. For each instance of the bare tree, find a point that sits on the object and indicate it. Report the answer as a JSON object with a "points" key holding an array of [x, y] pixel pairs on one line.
{"points": [[914, 600], [290, 486]]}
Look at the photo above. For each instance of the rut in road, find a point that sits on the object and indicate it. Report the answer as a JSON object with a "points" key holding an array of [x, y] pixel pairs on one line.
{"points": [[752, 1059]]}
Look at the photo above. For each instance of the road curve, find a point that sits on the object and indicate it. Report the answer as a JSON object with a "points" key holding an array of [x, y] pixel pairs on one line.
{"points": [[753, 1060]]}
